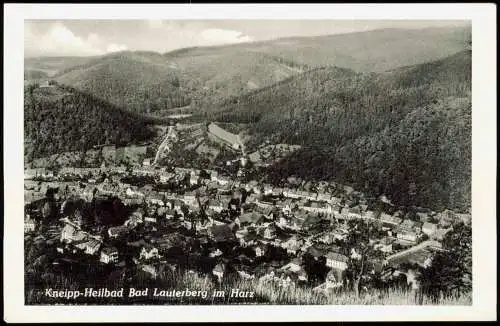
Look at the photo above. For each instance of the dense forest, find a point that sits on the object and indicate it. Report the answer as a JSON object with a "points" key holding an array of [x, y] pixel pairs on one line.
{"points": [[60, 118], [406, 132], [34, 75]]}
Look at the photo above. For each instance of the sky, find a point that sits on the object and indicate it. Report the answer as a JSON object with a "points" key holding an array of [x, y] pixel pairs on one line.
{"points": [[97, 37]]}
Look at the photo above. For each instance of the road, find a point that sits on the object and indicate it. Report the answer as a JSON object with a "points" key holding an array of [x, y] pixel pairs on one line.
{"points": [[164, 144], [420, 246]]}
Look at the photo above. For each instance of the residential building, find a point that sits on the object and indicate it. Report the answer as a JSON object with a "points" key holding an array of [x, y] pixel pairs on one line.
{"points": [[407, 230], [336, 260], [92, 246], [148, 252], [429, 228], [117, 231], [109, 255], [150, 219], [29, 225]]}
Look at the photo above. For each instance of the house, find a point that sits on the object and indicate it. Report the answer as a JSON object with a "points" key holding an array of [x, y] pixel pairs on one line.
{"points": [[29, 225], [342, 213], [270, 231], [291, 193], [148, 252], [385, 245], [268, 189], [323, 196], [310, 195], [260, 250], [287, 206], [215, 206], [92, 246], [407, 231], [117, 231], [292, 244], [282, 221], [150, 219], [223, 180], [156, 200], [165, 177], [422, 217], [219, 271], [135, 219], [248, 239], [251, 218], [264, 203], [194, 180], [336, 260], [354, 212], [277, 191], [169, 214], [109, 255], [70, 233], [213, 175], [190, 198], [390, 220], [429, 228]]}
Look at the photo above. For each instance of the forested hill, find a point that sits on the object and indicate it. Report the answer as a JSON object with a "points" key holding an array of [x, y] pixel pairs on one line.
{"points": [[60, 118], [405, 132], [145, 82]]}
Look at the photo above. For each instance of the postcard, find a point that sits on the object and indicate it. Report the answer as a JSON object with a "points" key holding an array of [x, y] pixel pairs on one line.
{"points": [[183, 162]]}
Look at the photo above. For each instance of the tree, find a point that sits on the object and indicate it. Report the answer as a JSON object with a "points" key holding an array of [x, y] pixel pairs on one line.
{"points": [[451, 270], [360, 252]]}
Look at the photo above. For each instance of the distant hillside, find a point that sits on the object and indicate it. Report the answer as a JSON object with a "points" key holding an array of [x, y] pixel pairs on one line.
{"points": [[202, 76], [52, 65], [146, 82], [31, 75], [59, 119], [376, 50], [390, 132]]}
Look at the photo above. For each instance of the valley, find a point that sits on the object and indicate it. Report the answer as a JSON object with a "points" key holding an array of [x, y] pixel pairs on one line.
{"points": [[330, 166]]}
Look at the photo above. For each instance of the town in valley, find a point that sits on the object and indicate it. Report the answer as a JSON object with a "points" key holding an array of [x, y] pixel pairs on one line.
{"points": [[294, 169], [222, 223]]}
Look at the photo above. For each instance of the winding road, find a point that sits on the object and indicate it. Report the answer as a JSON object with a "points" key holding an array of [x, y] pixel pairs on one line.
{"points": [[164, 144]]}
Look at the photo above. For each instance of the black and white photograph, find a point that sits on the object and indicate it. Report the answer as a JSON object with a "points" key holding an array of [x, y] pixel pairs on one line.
{"points": [[248, 162]]}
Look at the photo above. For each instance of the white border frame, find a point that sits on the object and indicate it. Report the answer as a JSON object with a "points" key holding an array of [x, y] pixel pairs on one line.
{"points": [[483, 17]]}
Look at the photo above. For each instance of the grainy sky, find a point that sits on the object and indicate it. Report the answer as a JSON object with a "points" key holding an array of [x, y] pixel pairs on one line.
{"points": [[95, 37]]}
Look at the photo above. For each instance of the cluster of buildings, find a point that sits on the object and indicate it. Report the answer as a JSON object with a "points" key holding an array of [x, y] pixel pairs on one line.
{"points": [[266, 232]]}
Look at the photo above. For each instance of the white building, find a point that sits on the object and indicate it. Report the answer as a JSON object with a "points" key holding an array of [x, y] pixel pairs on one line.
{"points": [[109, 255], [336, 260], [148, 252], [429, 228]]}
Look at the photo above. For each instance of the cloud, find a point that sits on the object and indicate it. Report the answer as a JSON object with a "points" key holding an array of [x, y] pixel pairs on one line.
{"points": [[116, 47], [224, 36], [59, 40]]}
